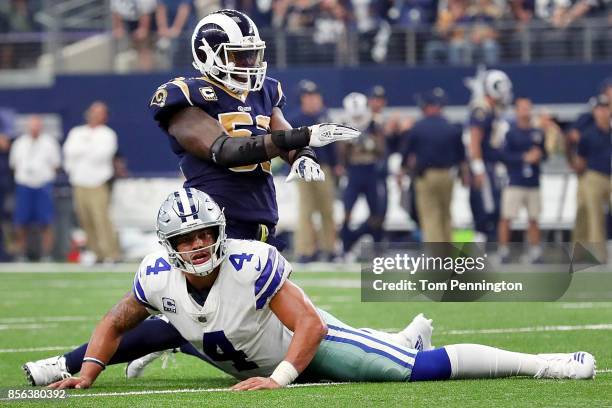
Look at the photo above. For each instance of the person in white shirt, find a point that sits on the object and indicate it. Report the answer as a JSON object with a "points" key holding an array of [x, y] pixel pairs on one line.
{"points": [[88, 160], [35, 158]]}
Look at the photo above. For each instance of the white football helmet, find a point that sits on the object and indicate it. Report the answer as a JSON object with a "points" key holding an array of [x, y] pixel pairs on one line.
{"points": [[356, 109], [498, 86], [183, 212], [227, 48]]}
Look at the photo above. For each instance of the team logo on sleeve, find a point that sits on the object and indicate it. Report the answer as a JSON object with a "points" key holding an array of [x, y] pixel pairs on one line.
{"points": [[208, 93], [169, 305], [159, 98]]}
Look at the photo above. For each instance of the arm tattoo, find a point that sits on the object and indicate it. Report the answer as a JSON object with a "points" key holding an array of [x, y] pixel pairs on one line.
{"points": [[126, 314]]}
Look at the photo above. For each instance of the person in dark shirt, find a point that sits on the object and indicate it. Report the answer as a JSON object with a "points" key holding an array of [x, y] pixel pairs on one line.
{"points": [[522, 153], [436, 147], [315, 197], [594, 161]]}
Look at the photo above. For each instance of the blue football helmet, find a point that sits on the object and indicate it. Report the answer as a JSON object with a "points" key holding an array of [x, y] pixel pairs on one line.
{"points": [[183, 212], [227, 48]]}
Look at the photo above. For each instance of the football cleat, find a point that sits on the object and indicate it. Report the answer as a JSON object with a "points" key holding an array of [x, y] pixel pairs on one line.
{"points": [[47, 371], [135, 368], [575, 366], [417, 334]]}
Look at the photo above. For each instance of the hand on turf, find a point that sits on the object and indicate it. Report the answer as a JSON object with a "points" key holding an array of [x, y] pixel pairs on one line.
{"points": [[305, 169], [72, 382], [326, 133], [256, 383]]}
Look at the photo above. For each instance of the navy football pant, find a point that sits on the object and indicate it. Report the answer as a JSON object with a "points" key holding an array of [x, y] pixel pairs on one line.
{"points": [[485, 205]]}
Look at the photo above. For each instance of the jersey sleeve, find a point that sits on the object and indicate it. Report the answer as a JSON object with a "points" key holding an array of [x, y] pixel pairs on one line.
{"points": [[478, 117], [278, 100], [271, 277], [143, 287], [168, 99]]}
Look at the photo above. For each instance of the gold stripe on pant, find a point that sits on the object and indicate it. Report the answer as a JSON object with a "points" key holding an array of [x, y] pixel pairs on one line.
{"points": [[92, 205], [434, 191], [316, 197]]}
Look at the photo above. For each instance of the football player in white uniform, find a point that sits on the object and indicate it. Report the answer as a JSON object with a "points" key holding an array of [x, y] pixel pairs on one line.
{"points": [[232, 301]]}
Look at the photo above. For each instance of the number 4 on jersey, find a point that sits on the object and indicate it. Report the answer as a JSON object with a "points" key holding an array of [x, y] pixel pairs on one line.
{"points": [[161, 265], [219, 348], [238, 259]]}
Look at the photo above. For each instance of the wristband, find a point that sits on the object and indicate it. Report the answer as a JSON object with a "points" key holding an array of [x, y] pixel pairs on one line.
{"points": [[284, 373], [308, 152], [477, 166], [291, 139], [95, 361]]}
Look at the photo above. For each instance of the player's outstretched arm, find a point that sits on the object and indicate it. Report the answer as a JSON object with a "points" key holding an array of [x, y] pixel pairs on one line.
{"points": [[201, 135], [105, 339], [298, 314]]}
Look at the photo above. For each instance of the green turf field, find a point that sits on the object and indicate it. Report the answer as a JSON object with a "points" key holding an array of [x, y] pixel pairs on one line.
{"points": [[59, 310]]}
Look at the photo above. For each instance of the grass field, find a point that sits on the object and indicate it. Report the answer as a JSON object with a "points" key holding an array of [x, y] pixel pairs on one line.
{"points": [[44, 314]]}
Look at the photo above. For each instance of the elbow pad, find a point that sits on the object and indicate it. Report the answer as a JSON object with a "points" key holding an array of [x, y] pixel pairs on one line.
{"points": [[238, 151]]}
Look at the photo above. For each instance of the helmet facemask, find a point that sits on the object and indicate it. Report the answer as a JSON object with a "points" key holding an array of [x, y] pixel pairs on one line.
{"points": [[239, 66], [190, 261]]}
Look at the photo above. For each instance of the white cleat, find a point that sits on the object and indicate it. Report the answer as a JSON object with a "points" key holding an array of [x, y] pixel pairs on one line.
{"points": [[417, 334], [135, 368], [575, 366], [47, 371]]}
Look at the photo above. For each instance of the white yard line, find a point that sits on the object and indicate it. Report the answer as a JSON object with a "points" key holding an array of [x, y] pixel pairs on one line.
{"points": [[534, 329], [187, 390], [29, 326], [36, 349], [48, 319]]}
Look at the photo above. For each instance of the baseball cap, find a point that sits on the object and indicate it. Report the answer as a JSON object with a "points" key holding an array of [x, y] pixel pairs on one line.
{"points": [[307, 86], [435, 96]]}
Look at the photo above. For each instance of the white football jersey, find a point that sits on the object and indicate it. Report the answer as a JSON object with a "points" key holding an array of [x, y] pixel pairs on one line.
{"points": [[235, 328]]}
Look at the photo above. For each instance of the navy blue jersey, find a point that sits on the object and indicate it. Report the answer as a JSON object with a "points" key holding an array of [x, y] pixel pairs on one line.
{"points": [[245, 193], [584, 121], [519, 141], [435, 142], [484, 119], [595, 147]]}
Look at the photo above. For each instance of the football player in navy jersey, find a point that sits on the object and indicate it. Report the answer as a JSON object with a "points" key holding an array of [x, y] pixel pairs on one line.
{"points": [[493, 93], [225, 125]]}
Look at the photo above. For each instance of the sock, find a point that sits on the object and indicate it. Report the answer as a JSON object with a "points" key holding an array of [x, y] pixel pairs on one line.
{"points": [[478, 361], [149, 336], [431, 365]]}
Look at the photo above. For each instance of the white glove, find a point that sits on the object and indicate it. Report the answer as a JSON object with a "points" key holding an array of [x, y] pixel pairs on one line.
{"points": [[326, 133], [306, 169]]}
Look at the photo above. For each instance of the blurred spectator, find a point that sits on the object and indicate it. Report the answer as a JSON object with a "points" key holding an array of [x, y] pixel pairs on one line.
{"points": [[361, 159], [293, 16], [435, 147], [88, 159], [413, 13], [594, 153], [451, 42], [260, 11], [6, 179], [482, 16], [35, 158], [15, 17], [135, 17], [173, 17], [330, 28], [522, 152], [315, 197]]}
